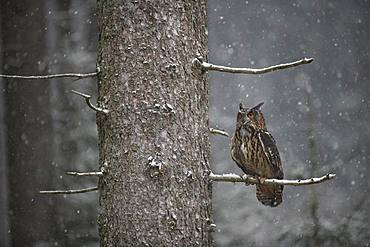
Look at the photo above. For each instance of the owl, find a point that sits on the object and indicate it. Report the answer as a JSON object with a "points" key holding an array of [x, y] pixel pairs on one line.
{"points": [[254, 150]]}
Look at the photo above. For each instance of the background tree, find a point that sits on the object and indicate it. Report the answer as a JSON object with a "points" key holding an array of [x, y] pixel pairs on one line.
{"points": [[45, 129], [24, 128]]}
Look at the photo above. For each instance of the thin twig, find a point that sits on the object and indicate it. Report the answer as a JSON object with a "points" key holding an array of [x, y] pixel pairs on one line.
{"points": [[218, 132], [208, 66], [252, 180], [69, 191], [64, 75], [88, 102], [85, 173]]}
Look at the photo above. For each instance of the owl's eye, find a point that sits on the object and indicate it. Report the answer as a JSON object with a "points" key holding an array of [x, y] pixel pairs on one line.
{"points": [[250, 114]]}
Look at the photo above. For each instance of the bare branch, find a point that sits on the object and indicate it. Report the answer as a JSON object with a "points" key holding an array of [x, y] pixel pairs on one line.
{"points": [[65, 75], [69, 191], [218, 132], [78, 174], [252, 180], [208, 66], [88, 102]]}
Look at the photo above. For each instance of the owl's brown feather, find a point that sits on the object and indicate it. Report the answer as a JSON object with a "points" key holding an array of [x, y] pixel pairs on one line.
{"points": [[269, 195], [254, 150], [271, 152]]}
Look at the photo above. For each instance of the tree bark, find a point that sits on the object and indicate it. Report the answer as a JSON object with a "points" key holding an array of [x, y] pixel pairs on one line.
{"points": [[153, 144]]}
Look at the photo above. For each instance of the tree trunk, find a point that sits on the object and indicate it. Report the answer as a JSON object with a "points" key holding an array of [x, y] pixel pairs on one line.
{"points": [[153, 144]]}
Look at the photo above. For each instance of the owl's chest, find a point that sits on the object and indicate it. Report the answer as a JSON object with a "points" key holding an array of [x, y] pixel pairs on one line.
{"points": [[250, 154], [252, 150]]}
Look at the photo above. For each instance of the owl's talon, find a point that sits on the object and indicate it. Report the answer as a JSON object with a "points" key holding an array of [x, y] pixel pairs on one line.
{"points": [[260, 180], [245, 176]]}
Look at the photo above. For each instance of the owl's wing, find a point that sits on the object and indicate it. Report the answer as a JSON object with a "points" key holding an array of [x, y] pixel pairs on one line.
{"points": [[271, 152]]}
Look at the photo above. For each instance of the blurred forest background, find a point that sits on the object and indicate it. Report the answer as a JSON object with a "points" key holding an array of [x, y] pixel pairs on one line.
{"points": [[318, 113]]}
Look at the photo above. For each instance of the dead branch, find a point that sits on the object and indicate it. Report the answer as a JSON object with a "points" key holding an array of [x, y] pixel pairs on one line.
{"points": [[234, 178], [64, 75], [218, 132], [208, 66], [78, 174], [69, 191], [88, 102]]}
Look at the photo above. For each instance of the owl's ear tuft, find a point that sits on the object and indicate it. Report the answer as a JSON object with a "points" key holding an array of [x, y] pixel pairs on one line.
{"points": [[241, 106], [257, 107]]}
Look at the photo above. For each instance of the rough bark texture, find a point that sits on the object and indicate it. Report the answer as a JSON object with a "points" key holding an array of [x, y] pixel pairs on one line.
{"points": [[154, 146]]}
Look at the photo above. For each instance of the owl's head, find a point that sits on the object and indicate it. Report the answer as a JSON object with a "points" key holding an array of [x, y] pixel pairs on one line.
{"points": [[252, 117]]}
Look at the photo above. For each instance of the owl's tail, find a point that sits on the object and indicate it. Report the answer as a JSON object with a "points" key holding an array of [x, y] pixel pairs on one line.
{"points": [[269, 195]]}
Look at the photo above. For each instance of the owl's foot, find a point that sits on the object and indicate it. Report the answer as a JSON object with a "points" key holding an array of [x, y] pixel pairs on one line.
{"points": [[260, 180], [245, 176]]}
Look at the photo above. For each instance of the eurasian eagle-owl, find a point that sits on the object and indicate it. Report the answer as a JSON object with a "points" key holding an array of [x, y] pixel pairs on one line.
{"points": [[254, 150]]}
